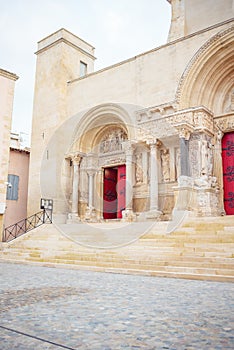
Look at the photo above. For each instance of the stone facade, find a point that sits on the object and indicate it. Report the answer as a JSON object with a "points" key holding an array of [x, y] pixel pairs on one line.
{"points": [[162, 114], [7, 85]]}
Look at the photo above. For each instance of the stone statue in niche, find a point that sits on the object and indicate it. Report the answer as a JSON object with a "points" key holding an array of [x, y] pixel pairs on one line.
{"points": [[206, 158], [165, 163], [139, 170], [112, 141]]}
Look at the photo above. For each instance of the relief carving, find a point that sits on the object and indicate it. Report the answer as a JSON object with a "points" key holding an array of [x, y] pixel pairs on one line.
{"points": [[111, 160], [139, 171], [194, 159], [112, 140]]}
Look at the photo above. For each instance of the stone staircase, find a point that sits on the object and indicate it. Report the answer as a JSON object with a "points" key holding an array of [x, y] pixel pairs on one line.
{"points": [[202, 248]]}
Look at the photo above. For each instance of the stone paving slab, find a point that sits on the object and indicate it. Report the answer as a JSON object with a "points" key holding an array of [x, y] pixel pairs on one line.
{"points": [[56, 308]]}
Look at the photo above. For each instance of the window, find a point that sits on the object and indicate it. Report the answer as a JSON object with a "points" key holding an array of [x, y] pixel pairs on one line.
{"points": [[83, 69], [12, 187]]}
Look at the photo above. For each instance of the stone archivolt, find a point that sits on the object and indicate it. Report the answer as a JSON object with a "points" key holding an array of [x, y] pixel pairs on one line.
{"points": [[204, 77]]}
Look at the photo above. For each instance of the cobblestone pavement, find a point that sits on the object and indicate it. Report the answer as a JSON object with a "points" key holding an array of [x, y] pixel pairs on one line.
{"points": [[56, 308]]}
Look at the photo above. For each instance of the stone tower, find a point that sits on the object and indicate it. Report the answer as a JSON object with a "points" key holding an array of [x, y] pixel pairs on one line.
{"points": [[61, 56]]}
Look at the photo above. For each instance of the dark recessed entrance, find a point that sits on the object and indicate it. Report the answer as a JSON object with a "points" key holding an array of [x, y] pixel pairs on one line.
{"points": [[114, 192]]}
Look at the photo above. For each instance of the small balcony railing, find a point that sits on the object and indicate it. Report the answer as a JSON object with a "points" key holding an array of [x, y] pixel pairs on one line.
{"points": [[13, 231]]}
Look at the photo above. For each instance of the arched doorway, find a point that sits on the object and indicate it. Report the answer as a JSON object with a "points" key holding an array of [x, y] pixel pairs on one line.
{"points": [[228, 172]]}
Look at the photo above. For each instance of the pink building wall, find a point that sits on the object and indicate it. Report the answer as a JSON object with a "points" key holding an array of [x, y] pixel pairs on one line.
{"points": [[16, 210]]}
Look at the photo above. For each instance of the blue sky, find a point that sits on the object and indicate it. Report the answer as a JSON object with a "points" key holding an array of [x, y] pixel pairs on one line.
{"points": [[118, 29]]}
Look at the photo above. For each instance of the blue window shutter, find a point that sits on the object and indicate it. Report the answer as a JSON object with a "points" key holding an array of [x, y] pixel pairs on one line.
{"points": [[13, 187]]}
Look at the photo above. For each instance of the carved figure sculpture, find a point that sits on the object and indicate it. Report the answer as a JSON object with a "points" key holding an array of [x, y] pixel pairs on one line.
{"points": [[165, 162], [139, 171]]}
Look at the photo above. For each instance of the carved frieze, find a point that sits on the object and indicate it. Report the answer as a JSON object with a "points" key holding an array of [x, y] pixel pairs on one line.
{"points": [[112, 160], [183, 122], [203, 121], [225, 123]]}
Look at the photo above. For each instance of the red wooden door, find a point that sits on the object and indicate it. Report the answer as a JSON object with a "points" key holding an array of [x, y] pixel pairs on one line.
{"points": [[228, 172], [121, 190], [110, 194]]}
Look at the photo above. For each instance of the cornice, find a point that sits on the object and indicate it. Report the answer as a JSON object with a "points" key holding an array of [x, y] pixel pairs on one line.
{"points": [[65, 41], [161, 47], [8, 75]]}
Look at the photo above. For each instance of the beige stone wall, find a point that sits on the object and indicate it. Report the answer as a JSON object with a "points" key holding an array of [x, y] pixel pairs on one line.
{"points": [[190, 16], [7, 84], [149, 79]]}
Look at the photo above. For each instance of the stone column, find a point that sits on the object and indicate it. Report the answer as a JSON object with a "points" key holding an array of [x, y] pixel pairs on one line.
{"points": [[128, 212], [129, 176], [184, 136], [90, 214], [91, 174], [154, 212], [73, 216]]}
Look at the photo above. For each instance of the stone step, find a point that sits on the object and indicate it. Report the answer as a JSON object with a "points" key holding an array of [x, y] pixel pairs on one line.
{"points": [[133, 250], [191, 261], [202, 251], [156, 273], [138, 265]]}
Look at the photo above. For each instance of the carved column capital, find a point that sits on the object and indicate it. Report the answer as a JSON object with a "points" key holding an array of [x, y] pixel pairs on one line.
{"points": [[75, 158], [128, 147], [184, 132], [154, 143], [91, 172]]}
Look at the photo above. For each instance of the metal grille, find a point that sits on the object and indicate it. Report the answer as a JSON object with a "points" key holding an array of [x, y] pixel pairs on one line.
{"points": [[13, 231]]}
